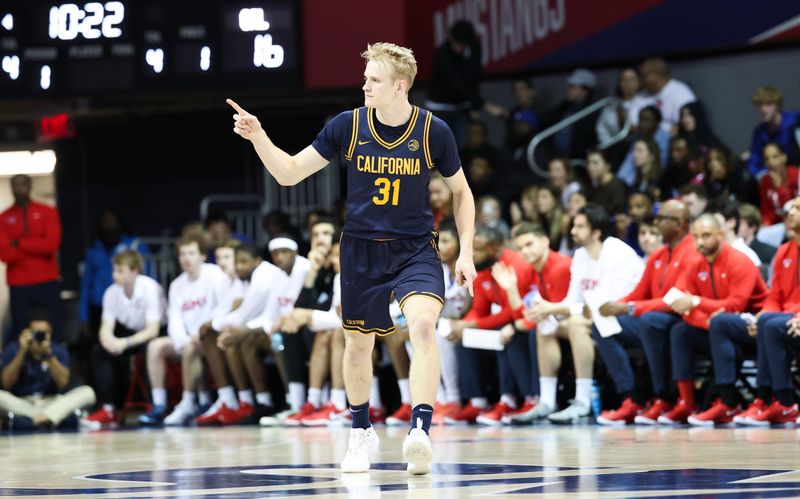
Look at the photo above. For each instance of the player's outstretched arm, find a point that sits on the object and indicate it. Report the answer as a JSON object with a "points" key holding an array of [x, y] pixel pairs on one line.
{"points": [[286, 169], [464, 212]]}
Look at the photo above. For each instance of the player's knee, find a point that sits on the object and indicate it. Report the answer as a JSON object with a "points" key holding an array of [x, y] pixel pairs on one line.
{"points": [[422, 325]]}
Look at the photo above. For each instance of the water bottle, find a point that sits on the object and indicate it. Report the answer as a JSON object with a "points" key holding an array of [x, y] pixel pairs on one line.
{"points": [[277, 341], [595, 399]]}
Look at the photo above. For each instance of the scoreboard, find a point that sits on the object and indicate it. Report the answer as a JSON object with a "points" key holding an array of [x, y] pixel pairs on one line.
{"points": [[64, 49]]}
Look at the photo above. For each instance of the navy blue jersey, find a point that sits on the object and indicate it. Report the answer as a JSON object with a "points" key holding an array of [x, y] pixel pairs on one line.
{"points": [[388, 169]]}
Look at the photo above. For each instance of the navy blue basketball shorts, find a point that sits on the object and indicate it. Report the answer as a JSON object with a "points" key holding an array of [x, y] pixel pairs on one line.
{"points": [[372, 270]]}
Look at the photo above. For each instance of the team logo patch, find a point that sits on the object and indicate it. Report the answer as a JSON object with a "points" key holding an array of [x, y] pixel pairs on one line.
{"points": [[413, 145], [702, 276], [787, 262], [657, 264]]}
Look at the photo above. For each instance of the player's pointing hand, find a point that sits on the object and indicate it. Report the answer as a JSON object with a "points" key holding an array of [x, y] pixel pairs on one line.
{"points": [[244, 123]]}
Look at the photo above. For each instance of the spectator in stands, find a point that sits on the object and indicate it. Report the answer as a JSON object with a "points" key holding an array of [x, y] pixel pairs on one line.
{"points": [[778, 186], [574, 140], [723, 177], [640, 204], [607, 190], [550, 214], [526, 208], [441, 198], [219, 230], [277, 222], [693, 126], [489, 213], [776, 126], [35, 373], [454, 89], [30, 235], [577, 201], [133, 313], [604, 266], [478, 145], [650, 238], [778, 332], [647, 130], [522, 123], [614, 116], [481, 176], [194, 298], [563, 177], [647, 160], [749, 223], [682, 166], [727, 212], [666, 93], [112, 238], [695, 197]]}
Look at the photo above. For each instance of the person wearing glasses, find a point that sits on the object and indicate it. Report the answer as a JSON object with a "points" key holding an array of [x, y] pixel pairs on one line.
{"points": [[646, 321]]}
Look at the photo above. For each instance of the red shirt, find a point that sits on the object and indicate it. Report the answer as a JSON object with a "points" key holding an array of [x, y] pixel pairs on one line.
{"points": [[774, 197], [552, 282], [784, 296], [660, 274], [488, 293], [731, 283], [37, 230]]}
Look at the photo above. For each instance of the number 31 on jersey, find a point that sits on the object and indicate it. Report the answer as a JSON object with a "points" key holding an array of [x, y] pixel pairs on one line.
{"points": [[387, 189]]}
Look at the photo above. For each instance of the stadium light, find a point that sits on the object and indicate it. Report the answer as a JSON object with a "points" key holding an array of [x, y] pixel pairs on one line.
{"points": [[27, 162]]}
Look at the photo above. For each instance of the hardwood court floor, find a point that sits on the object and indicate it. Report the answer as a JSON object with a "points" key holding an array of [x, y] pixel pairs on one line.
{"points": [[545, 461]]}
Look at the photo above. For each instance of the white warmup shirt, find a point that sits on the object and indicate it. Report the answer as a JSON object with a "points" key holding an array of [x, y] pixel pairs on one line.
{"points": [[232, 289], [455, 297], [192, 303], [329, 319], [287, 291], [147, 304], [266, 283], [615, 273]]}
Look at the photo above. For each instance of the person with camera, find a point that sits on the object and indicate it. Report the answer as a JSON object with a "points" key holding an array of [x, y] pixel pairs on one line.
{"points": [[34, 374]]}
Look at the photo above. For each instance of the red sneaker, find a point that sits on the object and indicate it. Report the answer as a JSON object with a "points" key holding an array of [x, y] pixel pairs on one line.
{"points": [[718, 413], [378, 415], [651, 414], [297, 418], [468, 414], [678, 415], [441, 411], [494, 417], [626, 413], [230, 417], [754, 408], [223, 413], [101, 418], [528, 406], [321, 417], [401, 417], [776, 413]]}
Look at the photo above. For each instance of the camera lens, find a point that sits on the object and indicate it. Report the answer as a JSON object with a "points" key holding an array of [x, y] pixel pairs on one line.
{"points": [[39, 336]]}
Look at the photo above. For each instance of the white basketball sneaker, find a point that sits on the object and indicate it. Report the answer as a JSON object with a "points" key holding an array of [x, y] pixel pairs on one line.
{"points": [[417, 450], [362, 441]]}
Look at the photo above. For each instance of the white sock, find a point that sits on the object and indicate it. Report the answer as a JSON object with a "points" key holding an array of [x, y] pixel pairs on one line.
{"points": [[547, 389], [375, 394], [479, 402], [108, 407], [159, 396], [583, 391], [297, 396], [189, 398], [441, 397], [264, 398], [326, 394], [204, 396], [315, 397], [228, 397], [405, 390], [339, 398], [246, 396], [509, 401]]}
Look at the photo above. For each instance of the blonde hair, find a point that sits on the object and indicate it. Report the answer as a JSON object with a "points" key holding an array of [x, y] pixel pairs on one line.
{"points": [[400, 59], [767, 94], [129, 258]]}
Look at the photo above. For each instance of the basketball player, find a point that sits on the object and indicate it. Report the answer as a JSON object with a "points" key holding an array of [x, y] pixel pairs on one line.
{"points": [[388, 244]]}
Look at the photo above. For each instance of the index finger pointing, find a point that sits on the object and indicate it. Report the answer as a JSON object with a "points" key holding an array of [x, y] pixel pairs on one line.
{"points": [[236, 106]]}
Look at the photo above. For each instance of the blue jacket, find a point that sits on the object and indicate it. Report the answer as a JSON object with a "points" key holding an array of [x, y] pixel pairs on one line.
{"points": [[98, 268], [784, 136]]}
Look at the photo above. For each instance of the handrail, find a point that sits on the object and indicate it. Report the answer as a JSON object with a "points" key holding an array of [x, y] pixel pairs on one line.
{"points": [[583, 113], [227, 198]]}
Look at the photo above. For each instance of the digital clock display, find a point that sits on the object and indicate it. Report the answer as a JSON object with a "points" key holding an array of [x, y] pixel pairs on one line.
{"points": [[58, 49]]}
